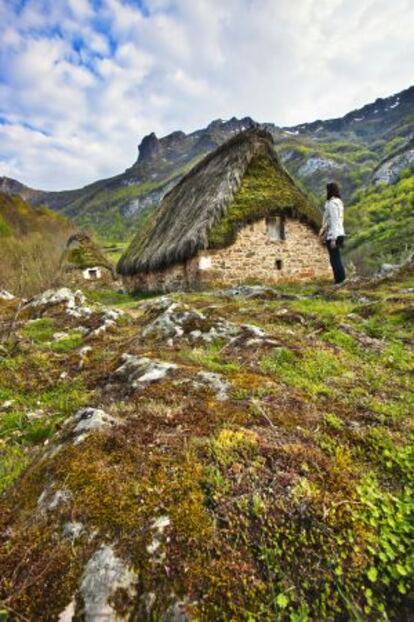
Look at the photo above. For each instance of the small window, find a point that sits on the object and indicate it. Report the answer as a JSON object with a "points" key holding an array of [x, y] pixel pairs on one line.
{"points": [[276, 228], [204, 262], [93, 274], [278, 264]]}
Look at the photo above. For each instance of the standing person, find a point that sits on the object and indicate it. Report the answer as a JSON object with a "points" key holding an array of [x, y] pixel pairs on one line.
{"points": [[332, 230]]}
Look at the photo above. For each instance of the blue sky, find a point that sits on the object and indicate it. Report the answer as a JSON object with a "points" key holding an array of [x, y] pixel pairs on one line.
{"points": [[82, 81]]}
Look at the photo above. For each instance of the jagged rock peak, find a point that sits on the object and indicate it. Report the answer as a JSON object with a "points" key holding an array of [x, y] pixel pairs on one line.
{"points": [[173, 138], [149, 147], [233, 123], [152, 147]]}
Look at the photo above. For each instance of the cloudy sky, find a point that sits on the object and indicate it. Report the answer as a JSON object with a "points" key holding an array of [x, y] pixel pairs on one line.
{"points": [[82, 81]]}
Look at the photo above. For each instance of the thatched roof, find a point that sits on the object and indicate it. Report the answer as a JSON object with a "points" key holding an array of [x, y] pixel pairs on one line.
{"points": [[242, 181], [81, 252]]}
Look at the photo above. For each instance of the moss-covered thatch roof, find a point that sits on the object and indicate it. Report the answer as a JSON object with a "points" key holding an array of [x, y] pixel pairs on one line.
{"points": [[241, 182], [81, 252]]}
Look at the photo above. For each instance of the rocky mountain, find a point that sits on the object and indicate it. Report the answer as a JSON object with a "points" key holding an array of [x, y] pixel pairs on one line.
{"points": [[355, 149], [371, 144], [390, 169], [10, 187]]}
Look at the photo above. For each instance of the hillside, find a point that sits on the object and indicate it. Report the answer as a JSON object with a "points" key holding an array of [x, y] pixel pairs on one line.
{"points": [[381, 221], [18, 218], [237, 455], [31, 243], [350, 149]]}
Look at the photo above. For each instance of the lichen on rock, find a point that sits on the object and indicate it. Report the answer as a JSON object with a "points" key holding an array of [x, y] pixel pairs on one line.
{"points": [[216, 382], [174, 321], [53, 297], [103, 575], [141, 371], [85, 421]]}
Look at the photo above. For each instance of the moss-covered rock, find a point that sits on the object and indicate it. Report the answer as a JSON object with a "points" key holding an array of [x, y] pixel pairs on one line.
{"points": [[289, 500]]}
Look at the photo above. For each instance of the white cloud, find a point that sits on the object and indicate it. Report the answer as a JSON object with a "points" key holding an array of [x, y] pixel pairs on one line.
{"points": [[80, 86], [81, 9]]}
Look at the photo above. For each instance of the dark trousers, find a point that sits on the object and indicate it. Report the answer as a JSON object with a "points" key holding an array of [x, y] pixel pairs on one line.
{"points": [[335, 259]]}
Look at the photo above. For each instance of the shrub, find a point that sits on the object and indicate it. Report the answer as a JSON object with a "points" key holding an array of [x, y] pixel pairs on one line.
{"points": [[30, 264]]}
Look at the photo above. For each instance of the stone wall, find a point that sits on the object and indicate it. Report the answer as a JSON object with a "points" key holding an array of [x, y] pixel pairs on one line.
{"points": [[178, 277], [252, 258], [75, 279]]}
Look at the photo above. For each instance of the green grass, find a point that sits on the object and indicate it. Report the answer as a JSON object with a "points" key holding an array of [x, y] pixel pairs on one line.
{"points": [[63, 398], [41, 330], [13, 460], [113, 249], [338, 338], [16, 425], [112, 298], [66, 344], [18, 434], [312, 372], [211, 358], [331, 310], [392, 325]]}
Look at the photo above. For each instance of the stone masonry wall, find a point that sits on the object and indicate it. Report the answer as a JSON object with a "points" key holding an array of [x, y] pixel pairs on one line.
{"points": [[252, 258], [255, 256], [175, 278]]}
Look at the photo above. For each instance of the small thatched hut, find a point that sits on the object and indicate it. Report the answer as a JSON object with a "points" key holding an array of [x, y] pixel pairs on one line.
{"points": [[83, 262], [236, 216]]}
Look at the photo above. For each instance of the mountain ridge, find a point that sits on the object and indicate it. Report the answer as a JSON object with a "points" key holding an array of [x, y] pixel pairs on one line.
{"points": [[380, 105], [348, 148]]}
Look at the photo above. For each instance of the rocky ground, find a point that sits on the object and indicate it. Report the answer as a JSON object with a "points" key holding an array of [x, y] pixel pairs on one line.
{"points": [[236, 455]]}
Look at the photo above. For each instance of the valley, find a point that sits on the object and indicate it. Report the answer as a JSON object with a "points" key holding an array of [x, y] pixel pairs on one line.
{"points": [[362, 150]]}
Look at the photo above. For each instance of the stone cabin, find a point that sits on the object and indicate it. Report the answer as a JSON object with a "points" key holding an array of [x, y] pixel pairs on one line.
{"points": [[236, 217], [84, 264]]}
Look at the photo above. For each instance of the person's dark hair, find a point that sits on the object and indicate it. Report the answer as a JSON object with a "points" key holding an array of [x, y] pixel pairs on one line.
{"points": [[332, 190]]}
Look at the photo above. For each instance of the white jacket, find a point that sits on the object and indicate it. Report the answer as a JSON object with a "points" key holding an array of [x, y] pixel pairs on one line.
{"points": [[333, 218]]}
